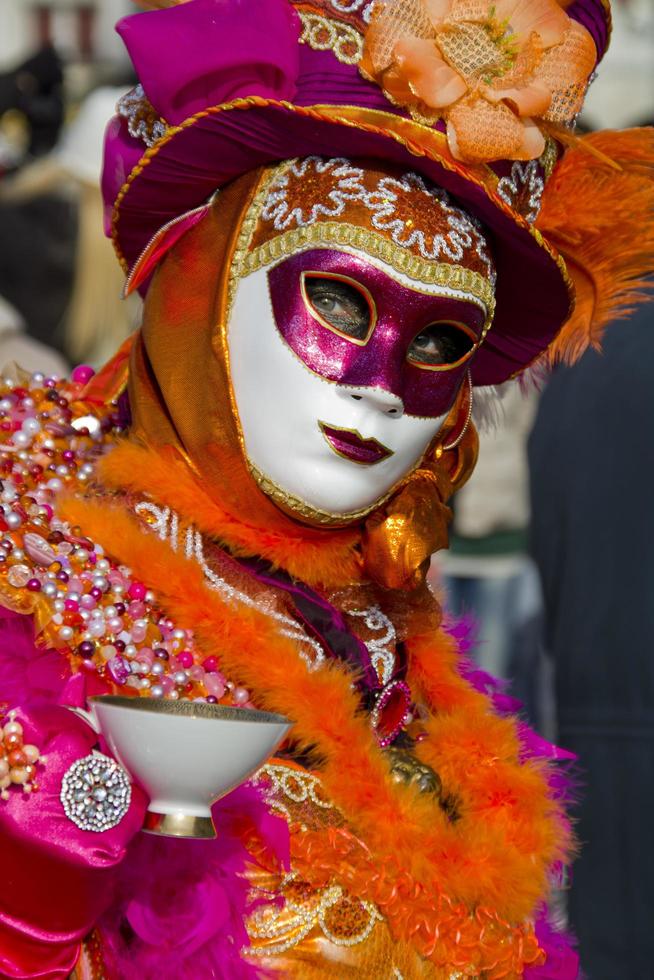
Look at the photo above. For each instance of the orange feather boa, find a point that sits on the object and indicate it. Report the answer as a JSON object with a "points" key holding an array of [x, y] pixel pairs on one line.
{"points": [[457, 890], [312, 555]]}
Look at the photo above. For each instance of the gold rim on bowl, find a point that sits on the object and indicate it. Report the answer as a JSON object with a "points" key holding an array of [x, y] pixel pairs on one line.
{"points": [[191, 709]]}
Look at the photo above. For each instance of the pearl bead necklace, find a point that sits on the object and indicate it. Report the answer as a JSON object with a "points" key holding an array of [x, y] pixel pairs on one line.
{"points": [[18, 760], [89, 607]]}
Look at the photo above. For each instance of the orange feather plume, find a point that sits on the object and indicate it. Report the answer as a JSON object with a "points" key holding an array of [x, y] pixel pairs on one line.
{"points": [[599, 215]]}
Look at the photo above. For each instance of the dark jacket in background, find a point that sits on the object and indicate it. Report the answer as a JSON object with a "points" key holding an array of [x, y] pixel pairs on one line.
{"points": [[592, 486]]}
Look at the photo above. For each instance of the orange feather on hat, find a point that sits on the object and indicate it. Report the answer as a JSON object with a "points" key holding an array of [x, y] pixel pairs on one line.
{"points": [[601, 220]]}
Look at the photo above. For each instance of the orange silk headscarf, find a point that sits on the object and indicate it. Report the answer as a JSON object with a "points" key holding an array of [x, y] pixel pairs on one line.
{"points": [[181, 397]]}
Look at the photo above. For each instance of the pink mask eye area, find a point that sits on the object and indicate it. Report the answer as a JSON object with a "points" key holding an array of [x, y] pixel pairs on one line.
{"points": [[442, 346], [352, 323], [346, 307], [340, 304]]}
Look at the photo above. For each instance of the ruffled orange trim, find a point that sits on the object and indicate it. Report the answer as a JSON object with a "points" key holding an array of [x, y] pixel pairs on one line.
{"points": [[415, 850]]}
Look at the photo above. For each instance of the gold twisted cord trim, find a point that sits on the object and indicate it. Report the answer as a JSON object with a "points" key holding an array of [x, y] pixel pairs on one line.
{"points": [[323, 34], [422, 271], [300, 508], [246, 232]]}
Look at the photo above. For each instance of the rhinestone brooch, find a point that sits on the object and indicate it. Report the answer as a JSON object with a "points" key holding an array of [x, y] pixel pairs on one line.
{"points": [[95, 793]]}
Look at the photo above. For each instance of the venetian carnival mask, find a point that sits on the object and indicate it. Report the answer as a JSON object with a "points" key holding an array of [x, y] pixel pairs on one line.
{"points": [[360, 299]]}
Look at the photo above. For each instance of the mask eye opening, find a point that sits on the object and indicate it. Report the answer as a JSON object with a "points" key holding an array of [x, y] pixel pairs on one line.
{"points": [[464, 328], [361, 289]]}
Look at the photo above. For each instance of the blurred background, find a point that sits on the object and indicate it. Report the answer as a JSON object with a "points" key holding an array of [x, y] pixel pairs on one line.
{"points": [[62, 70], [552, 556]]}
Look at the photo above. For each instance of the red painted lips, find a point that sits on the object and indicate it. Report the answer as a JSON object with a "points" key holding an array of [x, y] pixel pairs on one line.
{"points": [[350, 444]]}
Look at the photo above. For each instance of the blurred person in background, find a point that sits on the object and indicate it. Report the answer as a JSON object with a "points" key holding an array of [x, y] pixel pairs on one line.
{"points": [[34, 89], [37, 236], [96, 320], [487, 572], [17, 348], [591, 460]]}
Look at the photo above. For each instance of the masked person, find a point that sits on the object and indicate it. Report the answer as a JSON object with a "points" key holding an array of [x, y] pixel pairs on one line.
{"points": [[344, 222]]}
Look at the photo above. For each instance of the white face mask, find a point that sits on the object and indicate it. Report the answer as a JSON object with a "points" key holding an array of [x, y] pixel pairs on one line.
{"points": [[338, 448]]}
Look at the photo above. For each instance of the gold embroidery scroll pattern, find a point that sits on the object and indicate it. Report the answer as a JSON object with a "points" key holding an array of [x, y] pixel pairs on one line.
{"points": [[380, 648], [311, 189], [297, 796], [166, 524], [142, 119], [322, 34], [342, 920], [449, 276], [523, 189]]}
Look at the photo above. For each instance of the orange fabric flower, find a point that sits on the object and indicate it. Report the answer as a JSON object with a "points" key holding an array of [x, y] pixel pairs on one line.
{"points": [[490, 68]]}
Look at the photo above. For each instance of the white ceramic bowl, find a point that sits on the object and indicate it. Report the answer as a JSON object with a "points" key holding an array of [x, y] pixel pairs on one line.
{"points": [[185, 754]]}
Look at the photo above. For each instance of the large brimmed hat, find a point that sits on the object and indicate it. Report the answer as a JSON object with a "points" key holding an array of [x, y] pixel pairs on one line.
{"points": [[229, 85]]}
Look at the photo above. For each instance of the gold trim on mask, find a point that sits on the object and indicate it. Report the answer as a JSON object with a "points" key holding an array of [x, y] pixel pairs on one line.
{"points": [[297, 507], [377, 247], [440, 368], [339, 277], [244, 238]]}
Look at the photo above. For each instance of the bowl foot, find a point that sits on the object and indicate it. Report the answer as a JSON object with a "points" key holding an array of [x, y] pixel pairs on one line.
{"points": [[179, 825]]}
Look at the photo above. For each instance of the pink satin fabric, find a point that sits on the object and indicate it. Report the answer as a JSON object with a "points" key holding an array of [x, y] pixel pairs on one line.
{"points": [[181, 905], [206, 70], [401, 314], [163, 908], [56, 879]]}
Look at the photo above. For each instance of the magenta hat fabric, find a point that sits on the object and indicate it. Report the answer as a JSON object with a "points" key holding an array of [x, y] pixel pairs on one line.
{"points": [[232, 91]]}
